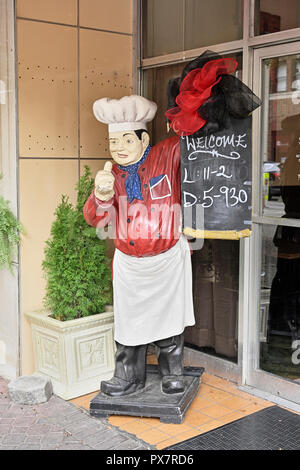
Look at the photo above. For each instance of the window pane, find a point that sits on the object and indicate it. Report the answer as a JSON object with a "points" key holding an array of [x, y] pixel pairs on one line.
{"points": [[177, 25], [216, 265], [212, 22], [276, 15], [162, 27], [280, 302], [280, 147], [215, 293]]}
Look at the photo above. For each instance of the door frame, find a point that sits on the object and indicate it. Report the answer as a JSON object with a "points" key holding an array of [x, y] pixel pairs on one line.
{"points": [[275, 387]]}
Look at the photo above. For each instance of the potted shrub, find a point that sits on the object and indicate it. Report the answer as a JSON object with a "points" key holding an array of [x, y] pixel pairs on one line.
{"points": [[10, 229], [73, 338]]}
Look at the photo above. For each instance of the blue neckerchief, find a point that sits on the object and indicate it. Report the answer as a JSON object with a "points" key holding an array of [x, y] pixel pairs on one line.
{"points": [[133, 182]]}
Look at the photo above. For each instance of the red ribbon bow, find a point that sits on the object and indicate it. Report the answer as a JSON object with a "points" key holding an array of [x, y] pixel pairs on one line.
{"points": [[195, 89]]}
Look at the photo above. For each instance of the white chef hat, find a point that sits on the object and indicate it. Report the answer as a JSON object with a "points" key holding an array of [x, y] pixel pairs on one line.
{"points": [[126, 114]]}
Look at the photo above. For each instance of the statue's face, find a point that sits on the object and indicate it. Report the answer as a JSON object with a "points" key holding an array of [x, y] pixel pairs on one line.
{"points": [[126, 148]]}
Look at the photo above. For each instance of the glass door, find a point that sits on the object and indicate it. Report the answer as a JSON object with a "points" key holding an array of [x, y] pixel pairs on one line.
{"points": [[273, 357]]}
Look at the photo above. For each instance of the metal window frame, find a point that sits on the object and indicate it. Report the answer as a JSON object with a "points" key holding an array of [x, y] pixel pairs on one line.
{"points": [[248, 336], [275, 387]]}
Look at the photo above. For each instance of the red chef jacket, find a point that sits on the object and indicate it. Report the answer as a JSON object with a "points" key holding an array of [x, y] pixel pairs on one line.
{"points": [[153, 225]]}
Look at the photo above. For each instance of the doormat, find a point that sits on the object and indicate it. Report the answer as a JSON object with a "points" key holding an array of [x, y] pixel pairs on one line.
{"points": [[273, 428]]}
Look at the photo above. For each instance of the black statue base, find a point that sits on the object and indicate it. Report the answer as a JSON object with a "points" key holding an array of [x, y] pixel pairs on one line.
{"points": [[151, 402]]}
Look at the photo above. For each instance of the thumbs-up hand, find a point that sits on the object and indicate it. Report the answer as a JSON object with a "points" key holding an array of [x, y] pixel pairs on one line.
{"points": [[104, 183]]}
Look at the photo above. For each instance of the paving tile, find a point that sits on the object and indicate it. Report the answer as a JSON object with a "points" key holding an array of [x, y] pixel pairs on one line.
{"points": [[204, 389], [53, 438], [187, 435], [253, 407], [154, 422], [8, 447], [5, 428], [14, 439], [174, 429], [153, 436], [195, 418], [235, 403], [217, 395], [29, 447], [132, 445], [216, 381], [232, 417], [73, 446], [213, 424], [19, 429], [79, 429], [49, 446], [105, 442], [166, 443], [38, 429], [3, 407], [201, 402], [84, 401], [135, 427], [216, 411], [9, 421], [33, 440], [11, 414], [30, 412], [88, 431], [24, 421]]}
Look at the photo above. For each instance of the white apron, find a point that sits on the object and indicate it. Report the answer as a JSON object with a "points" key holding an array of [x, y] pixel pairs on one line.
{"points": [[152, 295]]}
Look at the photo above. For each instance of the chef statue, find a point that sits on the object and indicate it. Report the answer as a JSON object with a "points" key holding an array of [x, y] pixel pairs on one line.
{"points": [[152, 277]]}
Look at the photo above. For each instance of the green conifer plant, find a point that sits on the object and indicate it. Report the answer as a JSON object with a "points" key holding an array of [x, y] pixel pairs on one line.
{"points": [[10, 229], [77, 270]]}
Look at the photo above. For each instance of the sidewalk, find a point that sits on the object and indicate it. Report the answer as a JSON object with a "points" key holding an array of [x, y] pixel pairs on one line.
{"points": [[57, 424], [218, 402], [64, 425]]}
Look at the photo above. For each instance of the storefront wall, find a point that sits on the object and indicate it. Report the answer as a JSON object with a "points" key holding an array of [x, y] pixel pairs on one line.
{"points": [[243, 29], [69, 53]]}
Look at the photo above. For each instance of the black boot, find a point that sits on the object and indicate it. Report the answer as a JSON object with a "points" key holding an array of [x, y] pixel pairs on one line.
{"points": [[170, 363], [130, 371]]}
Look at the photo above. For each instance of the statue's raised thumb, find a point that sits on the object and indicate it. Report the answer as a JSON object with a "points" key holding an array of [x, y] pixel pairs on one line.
{"points": [[108, 166]]}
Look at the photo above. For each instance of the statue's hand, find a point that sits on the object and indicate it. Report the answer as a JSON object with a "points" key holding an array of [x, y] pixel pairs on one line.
{"points": [[104, 183]]}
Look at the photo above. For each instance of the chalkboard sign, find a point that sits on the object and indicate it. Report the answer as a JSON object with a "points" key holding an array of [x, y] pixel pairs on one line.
{"points": [[216, 182]]}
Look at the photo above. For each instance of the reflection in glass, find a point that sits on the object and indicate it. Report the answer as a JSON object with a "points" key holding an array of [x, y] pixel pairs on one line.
{"points": [[276, 15], [180, 25], [280, 136], [216, 293], [213, 22], [280, 301], [162, 27]]}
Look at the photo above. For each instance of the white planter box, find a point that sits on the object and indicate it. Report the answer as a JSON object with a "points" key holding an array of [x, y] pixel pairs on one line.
{"points": [[76, 354]]}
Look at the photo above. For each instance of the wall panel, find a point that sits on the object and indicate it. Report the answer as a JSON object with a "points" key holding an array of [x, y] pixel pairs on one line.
{"points": [[105, 71], [42, 183], [51, 103], [60, 11], [112, 15], [48, 97]]}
